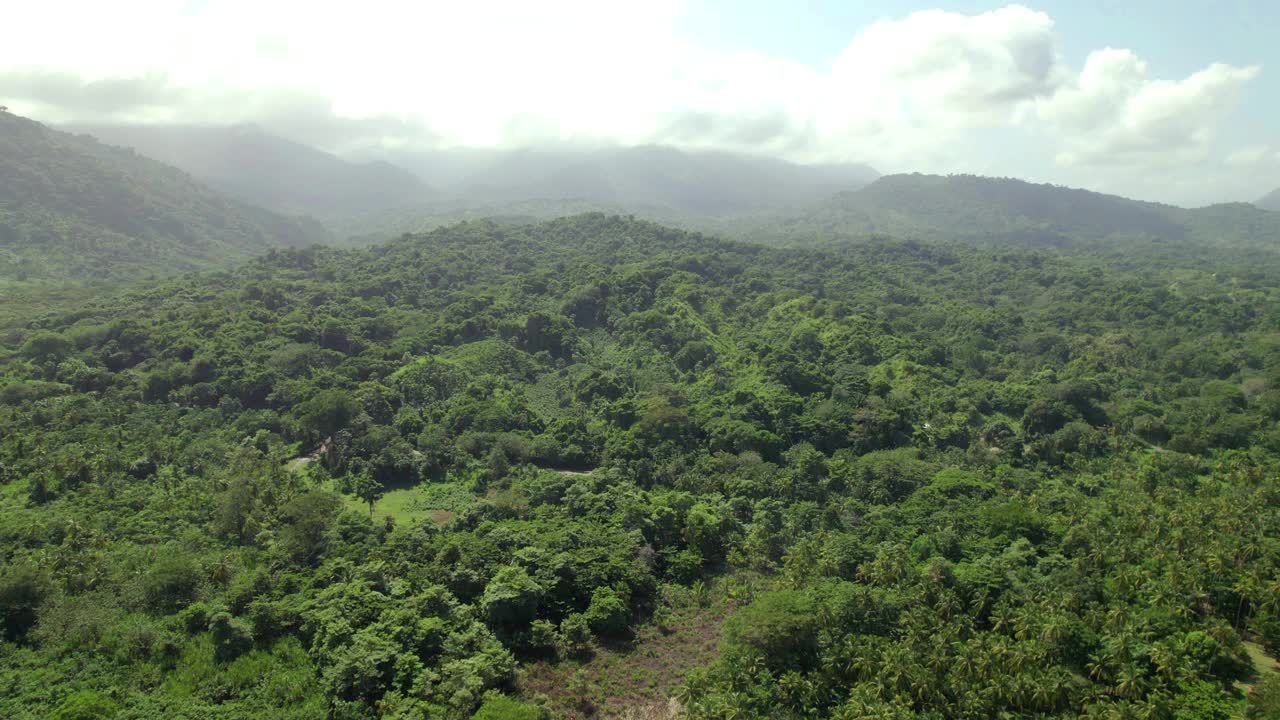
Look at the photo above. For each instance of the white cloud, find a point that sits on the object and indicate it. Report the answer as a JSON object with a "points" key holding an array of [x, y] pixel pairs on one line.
{"points": [[936, 66], [931, 91], [1252, 156], [1113, 114]]}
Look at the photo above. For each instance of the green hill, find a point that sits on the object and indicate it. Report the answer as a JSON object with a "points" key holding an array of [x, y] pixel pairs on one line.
{"points": [[270, 171], [75, 210], [1004, 211]]}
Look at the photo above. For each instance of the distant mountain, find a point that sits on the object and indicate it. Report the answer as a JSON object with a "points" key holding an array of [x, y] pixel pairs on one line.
{"points": [[1003, 211], [74, 209], [267, 170], [657, 178], [1270, 201]]}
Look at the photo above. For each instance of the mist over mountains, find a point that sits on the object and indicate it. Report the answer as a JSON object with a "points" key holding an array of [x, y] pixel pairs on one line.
{"points": [[287, 176], [1270, 201], [644, 176], [255, 166], [186, 197], [1007, 211], [72, 208]]}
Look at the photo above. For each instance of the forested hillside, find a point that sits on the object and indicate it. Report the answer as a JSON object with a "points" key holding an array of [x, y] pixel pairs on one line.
{"points": [[409, 481], [1010, 212], [251, 164], [73, 209]]}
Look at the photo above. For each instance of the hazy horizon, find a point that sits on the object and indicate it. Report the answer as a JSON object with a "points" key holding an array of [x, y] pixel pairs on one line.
{"points": [[1120, 102]]}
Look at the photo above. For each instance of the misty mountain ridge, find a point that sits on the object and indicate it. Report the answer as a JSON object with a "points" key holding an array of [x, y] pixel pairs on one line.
{"points": [[72, 208], [1270, 201], [761, 199], [653, 176], [1007, 211], [417, 186], [256, 166]]}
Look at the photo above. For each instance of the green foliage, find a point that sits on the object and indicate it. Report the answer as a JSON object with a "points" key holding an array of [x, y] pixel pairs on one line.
{"points": [[969, 483], [171, 582], [607, 614], [780, 628], [77, 210], [85, 705], [501, 707], [1264, 698], [511, 598], [22, 590], [232, 637], [45, 346], [328, 412]]}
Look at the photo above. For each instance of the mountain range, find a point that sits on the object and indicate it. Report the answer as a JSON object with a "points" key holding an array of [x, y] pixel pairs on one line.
{"points": [[651, 176], [264, 169], [1006, 211], [277, 173], [74, 209]]}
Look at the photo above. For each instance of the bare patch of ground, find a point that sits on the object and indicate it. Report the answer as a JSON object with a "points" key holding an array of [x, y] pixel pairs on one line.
{"points": [[633, 681]]}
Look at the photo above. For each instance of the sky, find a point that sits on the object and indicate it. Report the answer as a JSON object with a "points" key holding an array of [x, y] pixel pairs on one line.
{"points": [[1174, 101]]}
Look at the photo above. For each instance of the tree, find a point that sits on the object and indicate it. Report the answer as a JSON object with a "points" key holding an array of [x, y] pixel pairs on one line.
{"points": [[607, 614], [367, 489], [307, 519], [171, 582], [511, 598], [22, 589], [780, 627], [328, 412], [232, 637], [46, 346], [85, 705]]}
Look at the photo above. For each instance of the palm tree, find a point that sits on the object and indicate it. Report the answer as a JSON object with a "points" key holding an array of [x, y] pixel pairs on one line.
{"points": [[1129, 683], [1097, 667]]}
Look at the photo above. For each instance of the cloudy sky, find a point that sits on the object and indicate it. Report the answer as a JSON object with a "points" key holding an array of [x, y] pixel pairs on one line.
{"points": [[1172, 100]]}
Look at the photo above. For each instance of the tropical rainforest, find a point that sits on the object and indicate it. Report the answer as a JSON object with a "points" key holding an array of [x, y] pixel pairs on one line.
{"points": [[450, 475], [907, 447]]}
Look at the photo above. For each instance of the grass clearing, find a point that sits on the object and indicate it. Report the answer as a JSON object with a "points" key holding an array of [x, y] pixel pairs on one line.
{"points": [[433, 502], [636, 680], [1262, 663]]}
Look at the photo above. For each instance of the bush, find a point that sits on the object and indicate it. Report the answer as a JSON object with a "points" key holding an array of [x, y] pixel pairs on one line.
{"points": [[779, 626], [575, 632], [84, 705], [500, 707], [171, 583], [232, 637], [22, 589], [1263, 702], [607, 614]]}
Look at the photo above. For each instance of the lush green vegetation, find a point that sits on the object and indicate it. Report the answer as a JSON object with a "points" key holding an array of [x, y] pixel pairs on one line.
{"points": [[933, 481], [76, 211]]}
